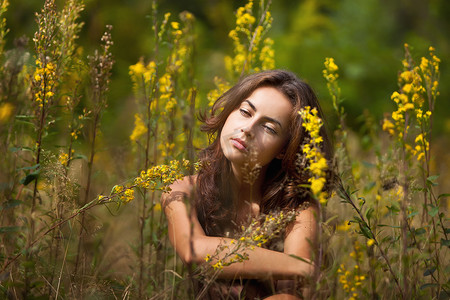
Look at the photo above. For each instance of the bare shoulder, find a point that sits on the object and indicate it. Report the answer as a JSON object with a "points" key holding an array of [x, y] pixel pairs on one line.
{"points": [[306, 218], [309, 213], [179, 190]]}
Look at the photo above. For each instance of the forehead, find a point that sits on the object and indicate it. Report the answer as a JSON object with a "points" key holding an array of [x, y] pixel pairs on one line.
{"points": [[270, 102]]}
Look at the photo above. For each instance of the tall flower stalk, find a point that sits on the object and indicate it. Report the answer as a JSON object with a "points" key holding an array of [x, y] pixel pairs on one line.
{"points": [[101, 64], [164, 94]]}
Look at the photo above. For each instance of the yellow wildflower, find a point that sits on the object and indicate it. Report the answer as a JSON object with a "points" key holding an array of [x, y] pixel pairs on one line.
{"points": [[344, 226], [63, 159], [128, 195], [330, 65], [218, 265], [317, 162], [6, 110], [388, 126], [157, 207], [139, 128]]}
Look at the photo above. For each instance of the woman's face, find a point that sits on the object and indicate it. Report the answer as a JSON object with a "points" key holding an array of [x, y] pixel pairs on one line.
{"points": [[260, 126]]}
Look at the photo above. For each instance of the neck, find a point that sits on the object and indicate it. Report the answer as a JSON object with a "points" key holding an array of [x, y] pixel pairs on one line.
{"points": [[247, 183]]}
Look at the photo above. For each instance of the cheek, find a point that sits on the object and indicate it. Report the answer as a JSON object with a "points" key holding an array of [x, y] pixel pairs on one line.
{"points": [[269, 149]]}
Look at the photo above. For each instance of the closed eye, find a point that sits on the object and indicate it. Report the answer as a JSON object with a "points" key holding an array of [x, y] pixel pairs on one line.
{"points": [[270, 129], [245, 112]]}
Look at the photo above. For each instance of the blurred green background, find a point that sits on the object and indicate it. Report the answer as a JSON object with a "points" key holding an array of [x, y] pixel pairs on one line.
{"points": [[365, 37]]}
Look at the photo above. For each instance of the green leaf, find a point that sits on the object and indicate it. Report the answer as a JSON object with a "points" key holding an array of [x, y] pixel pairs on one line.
{"points": [[365, 230], [87, 204], [155, 239], [24, 122], [299, 258], [420, 231], [28, 264], [433, 211], [29, 168], [10, 203], [432, 180], [17, 149], [25, 117], [369, 213], [331, 219], [30, 177], [443, 196], [412, 214], [356, 219], [430, 271], [445, 243], [9, 229], [428, 285], [385, 225], [393, 208]]}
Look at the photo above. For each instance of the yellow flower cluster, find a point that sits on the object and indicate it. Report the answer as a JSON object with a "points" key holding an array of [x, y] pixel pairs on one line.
{"points": [[244, 23], [139, 128], [267, 55], [6, 110], [388, 126], [162, 29], [3, 30], [176, 29], [167, 92], [125, 194], [416, 84], [44, 81], [317, 162], [142, 75], [156, 178], [63, 159], [247, 39], [352, 280], [330, 71], [163, 174], [345, 226], [430, 71], [221, 87], [422, 147], [75, 127], [166, 148], [180, 51], [330, 74], [128, 196], [230, 259]]}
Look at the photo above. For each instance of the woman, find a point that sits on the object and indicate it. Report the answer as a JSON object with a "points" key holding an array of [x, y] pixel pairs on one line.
{"points": [[251, 167]]}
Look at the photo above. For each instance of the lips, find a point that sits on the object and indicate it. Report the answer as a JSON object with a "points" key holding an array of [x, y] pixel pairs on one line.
{"points": [[240, 144]]}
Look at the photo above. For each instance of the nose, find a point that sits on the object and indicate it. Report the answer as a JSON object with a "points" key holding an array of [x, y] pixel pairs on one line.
{"points": [[247, 131]]}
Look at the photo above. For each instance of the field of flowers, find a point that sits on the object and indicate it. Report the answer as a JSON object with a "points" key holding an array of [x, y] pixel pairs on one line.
{"points": [[81, 219]]}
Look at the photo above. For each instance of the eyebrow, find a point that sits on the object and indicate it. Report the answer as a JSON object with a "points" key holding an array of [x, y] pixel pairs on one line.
{"points": [[268, 118]]}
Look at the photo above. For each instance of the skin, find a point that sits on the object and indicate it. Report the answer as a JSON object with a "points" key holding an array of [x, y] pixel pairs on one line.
{"points": [[261, 124]]}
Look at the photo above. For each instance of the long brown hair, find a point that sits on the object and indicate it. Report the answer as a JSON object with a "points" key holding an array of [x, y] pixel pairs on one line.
{"points": [[214, 202]]}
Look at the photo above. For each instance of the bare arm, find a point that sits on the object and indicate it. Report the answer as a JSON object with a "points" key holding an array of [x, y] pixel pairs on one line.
{"points": [[192, 245], [301, 241]]}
